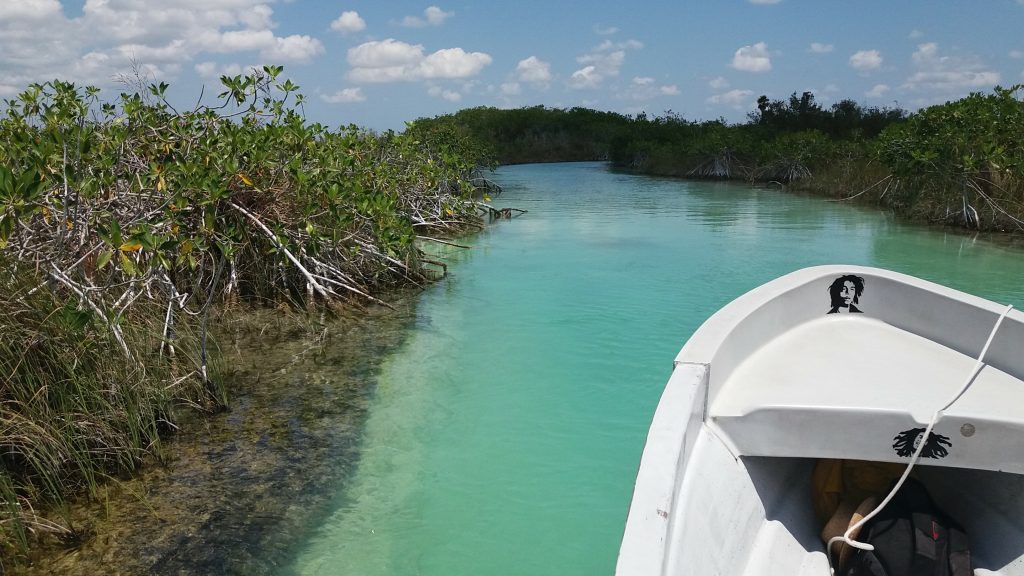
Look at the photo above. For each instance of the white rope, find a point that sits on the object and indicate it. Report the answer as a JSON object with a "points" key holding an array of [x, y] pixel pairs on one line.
{"points": [[922, 440]]}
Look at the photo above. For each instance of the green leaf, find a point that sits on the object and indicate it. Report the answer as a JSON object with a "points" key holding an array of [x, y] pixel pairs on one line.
{"points": [[104, 258], [6, 228], [74, 318], [127, 265], [6, 182]]}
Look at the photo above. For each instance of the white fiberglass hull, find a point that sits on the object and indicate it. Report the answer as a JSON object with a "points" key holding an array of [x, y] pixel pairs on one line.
{"points": [[773, 382]]}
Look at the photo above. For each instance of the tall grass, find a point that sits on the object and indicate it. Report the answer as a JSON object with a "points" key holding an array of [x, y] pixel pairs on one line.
{"points": [[72, 408]]}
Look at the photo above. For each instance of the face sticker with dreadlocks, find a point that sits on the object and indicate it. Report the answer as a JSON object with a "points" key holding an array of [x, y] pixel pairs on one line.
{"points": [[845, 292], [907, 441]]}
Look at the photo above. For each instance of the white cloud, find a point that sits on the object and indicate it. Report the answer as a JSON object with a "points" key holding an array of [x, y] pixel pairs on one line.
{"points": [[600, 31], [719, 83], [344, 96], [453, 63], [294, 48], [765, 1], [258, 17], [915, 34], [206, 69], [1016, 54], [384, 53], [392, 61], [212, 70], [511, 89], [646, 88], [608, 45], [877, 91], [176, 50], [244, 40], [866, 60], [110, 38], [29, 9], [819, 48], [348, 23], [449, 95], [738, 99], [948, 75], [432, 16], [533, 70], [585, 78], [752, 58], [604, 61]]}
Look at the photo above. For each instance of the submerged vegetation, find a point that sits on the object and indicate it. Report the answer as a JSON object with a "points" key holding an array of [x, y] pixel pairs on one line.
{"points": [[124, 221], [959, 163]]}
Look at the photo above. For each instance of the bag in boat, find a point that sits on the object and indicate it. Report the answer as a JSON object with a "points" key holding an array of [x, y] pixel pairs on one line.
{"points": [[911, 538]]}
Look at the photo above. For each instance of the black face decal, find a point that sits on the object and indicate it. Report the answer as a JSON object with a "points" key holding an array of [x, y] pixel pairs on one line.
{"points": [[905, 443], [845, 294]]}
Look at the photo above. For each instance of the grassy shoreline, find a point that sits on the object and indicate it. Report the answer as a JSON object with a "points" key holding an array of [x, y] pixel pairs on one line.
{"points": [[125, 223]]}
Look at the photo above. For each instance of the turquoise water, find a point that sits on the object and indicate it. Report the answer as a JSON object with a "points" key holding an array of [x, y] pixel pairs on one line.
{"points": [[505, 434]]}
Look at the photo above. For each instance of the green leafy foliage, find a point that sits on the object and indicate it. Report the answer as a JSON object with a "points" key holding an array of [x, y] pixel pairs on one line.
{"points": [[144, 216], [961, 162]]}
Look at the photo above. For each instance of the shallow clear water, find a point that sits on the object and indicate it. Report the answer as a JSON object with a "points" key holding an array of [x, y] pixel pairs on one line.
{"points": [[506, 431]]}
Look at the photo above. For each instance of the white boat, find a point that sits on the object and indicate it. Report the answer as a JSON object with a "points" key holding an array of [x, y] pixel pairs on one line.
{"points": [[784, 376]]}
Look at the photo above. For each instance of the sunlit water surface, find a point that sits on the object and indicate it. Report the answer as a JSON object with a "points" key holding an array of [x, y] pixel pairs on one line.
{"points": [[504, 435]]}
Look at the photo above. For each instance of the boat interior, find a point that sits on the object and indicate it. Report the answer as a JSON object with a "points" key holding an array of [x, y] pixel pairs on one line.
{"points": [[759, 511], [774, 382]]}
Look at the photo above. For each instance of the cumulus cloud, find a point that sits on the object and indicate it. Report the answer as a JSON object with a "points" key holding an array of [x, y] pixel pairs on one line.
{"points": [[110, 38], [348, 23], [35, 10], [585, 78], [604, 61], [344, 96], [432, 16], [865, 60], [511, 89], [449, 95], [533, 70], [295, 48], [819, 48], [393, 61], [647, 88], [719, 83], [739, 99], [948, 75], [752, 58], [213, 70], [453, 63], [877, 91]]}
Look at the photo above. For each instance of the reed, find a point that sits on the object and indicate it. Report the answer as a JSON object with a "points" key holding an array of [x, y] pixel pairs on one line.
{"points": [[73, 410]]}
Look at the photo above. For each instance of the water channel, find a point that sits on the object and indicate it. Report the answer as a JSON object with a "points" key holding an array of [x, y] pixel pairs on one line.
{"points": [[499, 429]]}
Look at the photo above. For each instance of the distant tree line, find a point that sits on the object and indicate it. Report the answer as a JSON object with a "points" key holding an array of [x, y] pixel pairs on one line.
{"points": [[959, 163]]}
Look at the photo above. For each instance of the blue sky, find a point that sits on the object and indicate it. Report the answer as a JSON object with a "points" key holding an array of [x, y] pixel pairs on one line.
{"points": [[381, 63]]}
